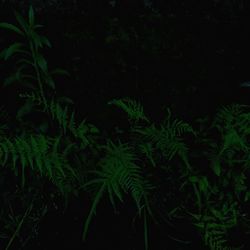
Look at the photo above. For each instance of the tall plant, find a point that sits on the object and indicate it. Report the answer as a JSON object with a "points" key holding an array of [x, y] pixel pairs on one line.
{"points": [[31, 66]]}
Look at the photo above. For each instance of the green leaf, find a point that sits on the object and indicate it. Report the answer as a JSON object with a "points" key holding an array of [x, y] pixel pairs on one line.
{"points": [[45, 40], [12, 49], [42, 63], [24, 52], [11, 27], [247, 196], [93, 129], [31, 16], [50, 82], [59, 71], [36, 38], [13, 78], [216, 167], [22, 23], [25, 61], [203, 184]]}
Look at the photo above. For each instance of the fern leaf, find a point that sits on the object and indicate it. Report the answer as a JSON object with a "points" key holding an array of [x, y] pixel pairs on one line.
{"points": [[36, 151], [133, 108], [14, 155]]}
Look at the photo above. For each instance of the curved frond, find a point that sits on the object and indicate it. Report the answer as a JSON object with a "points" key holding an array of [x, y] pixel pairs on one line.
{"points": [[167, 137], [118, 175], [37, 152], [65, 118], [133, 108]]}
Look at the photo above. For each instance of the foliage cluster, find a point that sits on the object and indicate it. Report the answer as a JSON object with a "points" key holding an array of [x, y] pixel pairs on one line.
{"points": [[206, 165]]}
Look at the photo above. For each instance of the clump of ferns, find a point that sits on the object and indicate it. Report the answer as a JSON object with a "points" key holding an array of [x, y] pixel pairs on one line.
{"points": [[31, 66], [62, 118], [41, 142], [235, 149], [158, 146], [212, 213], [230, 156], [31, 69], [118, 173], [233, 124], [165, 139], [75, 143], [40, 154], [161, 136], [80, 139], [215, 223], [219, 194], [227, 152]]}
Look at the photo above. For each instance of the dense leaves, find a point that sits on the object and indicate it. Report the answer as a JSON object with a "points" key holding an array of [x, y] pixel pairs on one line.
{"points": [[195, 172]]}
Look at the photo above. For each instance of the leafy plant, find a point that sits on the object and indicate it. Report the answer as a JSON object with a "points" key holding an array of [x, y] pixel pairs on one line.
{"points": [[204, 181], [221, 193], [133, 109], [166, 139], [31, 58], [215, 225], [119, 174]]}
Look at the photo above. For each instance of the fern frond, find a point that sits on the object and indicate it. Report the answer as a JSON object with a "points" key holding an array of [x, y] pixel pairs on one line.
{"points": [[215, 225], [133, 108], [232, 139], [65, 118], [176, 127], [119, 174], [165, 139], [120, 171], [4, 118], [228, 116], [148, 150], [37, 152], [67, 123]]}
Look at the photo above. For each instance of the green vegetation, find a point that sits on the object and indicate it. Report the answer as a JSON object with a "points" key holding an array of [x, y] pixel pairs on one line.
{"points": [[207, 164]]}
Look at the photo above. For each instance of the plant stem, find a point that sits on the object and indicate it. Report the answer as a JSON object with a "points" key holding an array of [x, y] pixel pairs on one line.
{"points": [[34, 52], [18, 227]]}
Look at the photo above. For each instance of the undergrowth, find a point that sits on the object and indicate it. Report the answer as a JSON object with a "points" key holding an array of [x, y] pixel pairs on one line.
{"points": [[207, 186]]}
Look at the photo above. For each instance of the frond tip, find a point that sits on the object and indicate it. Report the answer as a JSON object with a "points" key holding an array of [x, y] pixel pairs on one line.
{"points": [[133, 108]]}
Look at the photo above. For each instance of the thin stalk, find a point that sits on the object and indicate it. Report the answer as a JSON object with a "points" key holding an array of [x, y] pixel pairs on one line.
{"points": [[145, 229], [196, 191], [33, 51], [18, 227]]}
